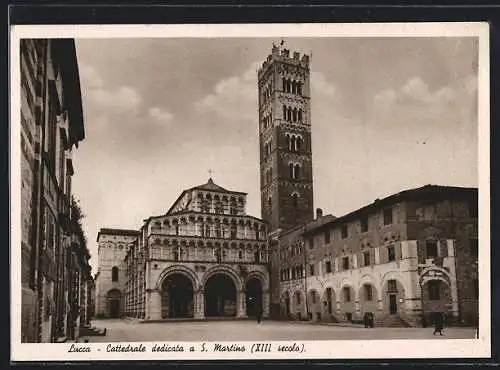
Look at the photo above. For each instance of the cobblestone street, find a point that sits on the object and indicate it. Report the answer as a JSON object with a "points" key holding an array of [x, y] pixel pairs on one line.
{"points": [[131, 331]]}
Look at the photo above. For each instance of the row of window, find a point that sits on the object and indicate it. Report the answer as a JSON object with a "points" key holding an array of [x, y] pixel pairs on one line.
{"points": [[294, 142], [218, 254], [292, 86], [344, 230], [292, 114], [218, 231]]}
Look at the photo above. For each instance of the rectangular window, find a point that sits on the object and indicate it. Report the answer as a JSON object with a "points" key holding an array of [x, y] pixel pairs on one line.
{"points": [[434, 290], [311, 243], [474, 248], [431, 249], [387, 216], [347, 294], [327, 237], [328, 267], [392, 286], [366, 258], [368, 293], [344, 232], [364, 224], [311, 270], [345, 263], [391, 253]]}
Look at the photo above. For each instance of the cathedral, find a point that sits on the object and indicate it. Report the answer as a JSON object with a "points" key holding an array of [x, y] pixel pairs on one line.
{"points": [[402, 260], [205, 257]]}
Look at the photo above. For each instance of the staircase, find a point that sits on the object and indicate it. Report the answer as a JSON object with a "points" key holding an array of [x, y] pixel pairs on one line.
{"points": [[391, 321]]}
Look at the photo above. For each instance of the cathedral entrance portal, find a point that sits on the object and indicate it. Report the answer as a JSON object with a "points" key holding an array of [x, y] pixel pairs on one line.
{"points": [[253, 294], [114, 303], [177, 297], [220, 296]]}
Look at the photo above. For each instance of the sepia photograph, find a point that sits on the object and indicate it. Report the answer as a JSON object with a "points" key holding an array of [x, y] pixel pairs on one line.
{"points": [[254, 191]]}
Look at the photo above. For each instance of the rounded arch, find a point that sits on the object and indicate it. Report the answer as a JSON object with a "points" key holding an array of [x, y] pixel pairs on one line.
{"points": [[178, 269], [224, 270], [261, 276]]}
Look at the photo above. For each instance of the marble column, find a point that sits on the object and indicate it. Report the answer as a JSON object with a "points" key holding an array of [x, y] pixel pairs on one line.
{"points": [[265, 303], [199, 301], [240, 304], [153, 304]]}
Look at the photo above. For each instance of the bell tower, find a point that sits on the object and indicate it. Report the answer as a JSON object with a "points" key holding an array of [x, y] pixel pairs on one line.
{"points": [[286, 178]]}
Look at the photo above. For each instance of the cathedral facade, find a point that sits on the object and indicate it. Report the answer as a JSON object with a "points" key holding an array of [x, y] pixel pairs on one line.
{"points": [[205, 257]]}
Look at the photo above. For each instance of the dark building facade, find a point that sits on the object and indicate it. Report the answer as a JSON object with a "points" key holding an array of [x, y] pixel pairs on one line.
{"points": [[51, 128]]}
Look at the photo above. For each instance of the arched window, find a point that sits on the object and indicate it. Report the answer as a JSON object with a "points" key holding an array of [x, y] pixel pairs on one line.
{"points": [[114, 274], [300, 115], [270, 204], [297, 171], [234, 231], [292, 143], [299, 88], [284, 83], [289, 114], [298, 144], [288, 86], [294, 115], [295, 199], [291, 170], [294, 87], [284, 112]]}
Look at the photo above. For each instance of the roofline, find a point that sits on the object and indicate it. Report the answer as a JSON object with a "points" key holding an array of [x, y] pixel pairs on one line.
{"points": [[109, 231], [199, 187], [404, 195]]}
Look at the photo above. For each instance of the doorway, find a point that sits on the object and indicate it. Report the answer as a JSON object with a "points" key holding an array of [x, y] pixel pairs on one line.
{"points": [[114, 303], [220, 296], [114, 308], [177, 297], [393, 304], [253, 293]]}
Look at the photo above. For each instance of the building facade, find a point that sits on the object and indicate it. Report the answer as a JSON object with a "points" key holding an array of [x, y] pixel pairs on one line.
{"points": [[205, 257], [285, 140], [404, 258], [111, 277], [51, 128]]}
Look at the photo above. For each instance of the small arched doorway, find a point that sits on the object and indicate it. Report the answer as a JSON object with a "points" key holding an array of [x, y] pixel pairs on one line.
{"points": [[220, 296], [177, 296], [114, 298], [253, 295]]}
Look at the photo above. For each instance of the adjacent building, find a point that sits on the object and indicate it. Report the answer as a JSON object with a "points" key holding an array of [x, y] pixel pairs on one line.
{"points": [[404, 258], [111, 277], [52, 249]]}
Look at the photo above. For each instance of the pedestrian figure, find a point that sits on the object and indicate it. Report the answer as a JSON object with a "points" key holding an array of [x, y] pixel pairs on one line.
{"points": [[438, 324], [259, 313]]}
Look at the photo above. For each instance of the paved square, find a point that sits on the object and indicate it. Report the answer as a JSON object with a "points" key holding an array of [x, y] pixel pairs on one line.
{"points": [[131, 331]]}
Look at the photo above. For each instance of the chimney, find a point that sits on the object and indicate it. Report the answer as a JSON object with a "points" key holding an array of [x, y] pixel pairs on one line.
{"points": [[319, 213]]}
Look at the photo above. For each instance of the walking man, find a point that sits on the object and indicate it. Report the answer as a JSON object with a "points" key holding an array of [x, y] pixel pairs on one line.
{"points": [[259, 312], [438, 324]]}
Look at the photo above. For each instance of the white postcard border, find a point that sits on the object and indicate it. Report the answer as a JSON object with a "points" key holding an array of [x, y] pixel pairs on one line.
{"points": [[347, 349]]}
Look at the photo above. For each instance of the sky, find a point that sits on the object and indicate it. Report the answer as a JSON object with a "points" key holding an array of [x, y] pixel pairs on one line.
{"points": [[388, 114]]}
